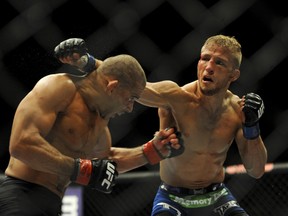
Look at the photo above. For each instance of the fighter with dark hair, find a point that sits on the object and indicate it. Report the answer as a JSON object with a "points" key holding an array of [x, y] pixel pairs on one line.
{"points": [[60, 135]]}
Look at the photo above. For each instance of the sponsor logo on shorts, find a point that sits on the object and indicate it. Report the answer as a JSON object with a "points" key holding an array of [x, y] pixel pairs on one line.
{"points": [[197, 201], [223, 208]]}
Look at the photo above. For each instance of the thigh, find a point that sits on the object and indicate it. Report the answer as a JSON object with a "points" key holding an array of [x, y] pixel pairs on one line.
{"points": [[227, 205], [163, 206], [14, 201], [26, 199]]}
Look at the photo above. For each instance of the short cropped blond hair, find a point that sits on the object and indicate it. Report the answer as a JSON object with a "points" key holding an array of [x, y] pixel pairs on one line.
{"points": [[228, 42]]}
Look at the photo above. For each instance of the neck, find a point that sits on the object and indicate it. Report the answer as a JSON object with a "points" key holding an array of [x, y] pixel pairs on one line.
{"points": [[212, 100], [92, 94]]}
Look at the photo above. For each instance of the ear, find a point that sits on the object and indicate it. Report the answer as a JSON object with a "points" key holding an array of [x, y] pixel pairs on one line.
{"points": [[235, 75], [111, 85]]}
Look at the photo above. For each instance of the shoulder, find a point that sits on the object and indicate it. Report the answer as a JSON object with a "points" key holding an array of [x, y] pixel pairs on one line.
{"points": [[233, 97], [53, 78], [54, 88], [234, 100], [184, 93], [163, 87], [190, 87], [54, 82]]}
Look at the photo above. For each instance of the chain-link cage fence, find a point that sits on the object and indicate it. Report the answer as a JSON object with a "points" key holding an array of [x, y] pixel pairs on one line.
{"points": [[134, 194], [268, 196]]}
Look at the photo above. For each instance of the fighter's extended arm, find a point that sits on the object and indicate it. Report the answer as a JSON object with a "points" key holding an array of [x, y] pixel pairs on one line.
{"points": [[74, 51], [165, 144]]}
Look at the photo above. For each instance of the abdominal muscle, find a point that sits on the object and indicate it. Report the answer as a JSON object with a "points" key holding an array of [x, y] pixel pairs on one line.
{"points": [[194, 171]]}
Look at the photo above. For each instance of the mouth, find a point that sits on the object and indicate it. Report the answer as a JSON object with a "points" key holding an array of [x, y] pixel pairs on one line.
{"points": [[207, 79]]}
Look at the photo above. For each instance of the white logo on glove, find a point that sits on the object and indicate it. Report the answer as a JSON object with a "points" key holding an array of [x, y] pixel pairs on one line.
{"points": [[110, 173]]}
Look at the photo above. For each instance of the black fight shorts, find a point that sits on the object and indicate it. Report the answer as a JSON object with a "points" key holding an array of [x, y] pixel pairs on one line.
{"points": [[21, 198]]}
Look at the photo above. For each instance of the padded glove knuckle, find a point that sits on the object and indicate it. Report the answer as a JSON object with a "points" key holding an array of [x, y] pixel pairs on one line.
{"points": [[69, 46], [103, 175], [97, 174], [176, 152], [253, 108]]}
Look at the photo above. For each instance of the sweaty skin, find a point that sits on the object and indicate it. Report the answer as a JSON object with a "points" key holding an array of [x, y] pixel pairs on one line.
{"points": [[210, 117], [59, 123], [66, 117]]}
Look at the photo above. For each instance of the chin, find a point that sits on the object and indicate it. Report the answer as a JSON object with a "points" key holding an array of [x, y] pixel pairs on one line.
{"points": [[208, 92]]}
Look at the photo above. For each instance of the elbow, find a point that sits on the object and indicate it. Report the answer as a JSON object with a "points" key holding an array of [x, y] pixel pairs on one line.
{"points": [[18, 148], [15, 150], [256, 174]]}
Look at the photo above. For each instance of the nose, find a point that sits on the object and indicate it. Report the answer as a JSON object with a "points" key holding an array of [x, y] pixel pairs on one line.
{"points": [[210, 66]]}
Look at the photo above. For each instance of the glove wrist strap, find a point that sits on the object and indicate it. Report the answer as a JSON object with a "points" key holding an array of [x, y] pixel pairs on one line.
{"points": [[82, 171], [251, 132], [152, 155], [91, 64]]}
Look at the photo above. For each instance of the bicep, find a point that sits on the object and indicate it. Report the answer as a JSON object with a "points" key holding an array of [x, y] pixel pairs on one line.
{"points": [[158, 94], [31, 118], [151, 98], [37, 112], [166, 118]]}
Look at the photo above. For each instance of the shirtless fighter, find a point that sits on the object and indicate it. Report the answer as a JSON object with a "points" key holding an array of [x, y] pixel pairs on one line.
{"points": [[210, 118], [60, 135]]}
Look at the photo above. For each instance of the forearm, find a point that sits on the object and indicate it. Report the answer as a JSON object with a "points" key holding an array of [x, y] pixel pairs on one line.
{"points": [[165, 144], [39, 155], [254, 154], [127, 158], [255, 157]]}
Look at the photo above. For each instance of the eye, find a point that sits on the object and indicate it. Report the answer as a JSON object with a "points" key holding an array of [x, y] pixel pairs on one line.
{"points": [[205, 58], [219, 62]]}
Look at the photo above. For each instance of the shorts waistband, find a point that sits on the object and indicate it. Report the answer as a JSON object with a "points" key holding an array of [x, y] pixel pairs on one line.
{"points": [[13, 180], [188, 191]]}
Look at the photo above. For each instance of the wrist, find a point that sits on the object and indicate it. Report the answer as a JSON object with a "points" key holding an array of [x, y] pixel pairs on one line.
{"points": [[150, 152], [82, 171], [90, 65], [251, 132]]}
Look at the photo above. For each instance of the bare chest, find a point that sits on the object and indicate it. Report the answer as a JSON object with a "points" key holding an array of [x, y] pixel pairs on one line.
{"points": [[80, 133], [208, 133]]}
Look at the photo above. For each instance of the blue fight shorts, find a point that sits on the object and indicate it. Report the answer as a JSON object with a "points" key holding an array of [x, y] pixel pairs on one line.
{"points": [[214, 200], [21, 198]]}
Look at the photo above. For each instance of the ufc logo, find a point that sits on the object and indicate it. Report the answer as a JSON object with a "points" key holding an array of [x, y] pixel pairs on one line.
{"points": [[110, 173]]}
